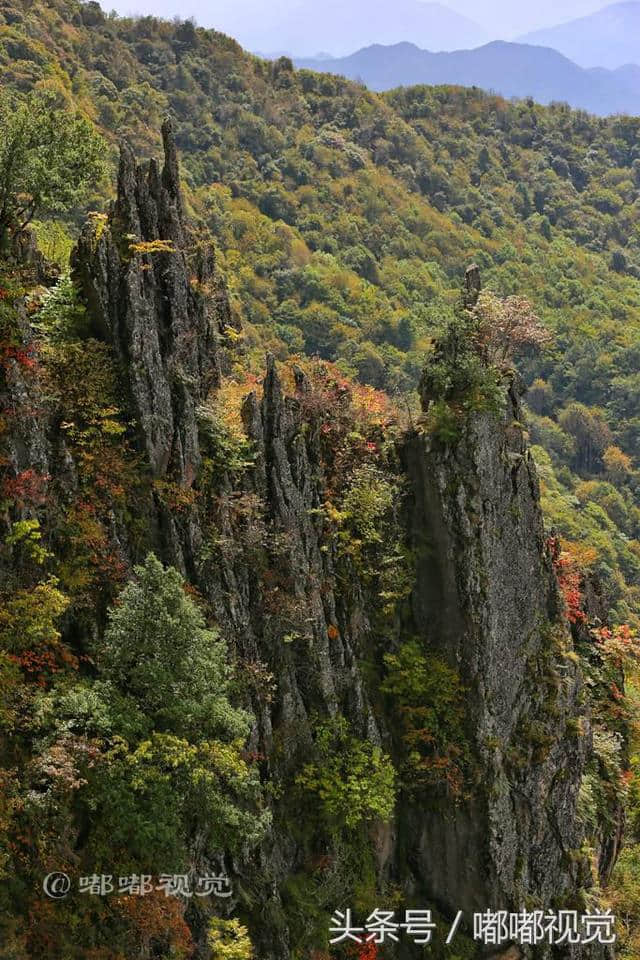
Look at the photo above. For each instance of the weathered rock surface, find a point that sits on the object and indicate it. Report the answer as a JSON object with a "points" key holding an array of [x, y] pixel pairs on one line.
{"points": [[154, 294], [485, 596]]}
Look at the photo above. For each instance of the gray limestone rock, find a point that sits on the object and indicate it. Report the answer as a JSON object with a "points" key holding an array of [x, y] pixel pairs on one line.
{"points": [[484, 596]]}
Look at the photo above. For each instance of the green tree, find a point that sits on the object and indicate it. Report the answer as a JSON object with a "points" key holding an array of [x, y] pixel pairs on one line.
{"points": [[540, 397], [352, 780], [49, 157], [457, 371], [166, 769], [158, 651], [229, 940], [589, 428], [62, 315]]}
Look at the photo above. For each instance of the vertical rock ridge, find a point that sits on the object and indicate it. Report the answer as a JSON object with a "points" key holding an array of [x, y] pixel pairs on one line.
{"points": [[487, 599], [156, 296]]}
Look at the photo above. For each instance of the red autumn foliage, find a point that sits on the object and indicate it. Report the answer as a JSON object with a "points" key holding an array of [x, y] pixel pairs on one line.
{"points": [[616, 692], [334, 397], [156, 919], [252, 756], [570, 580], [365, 951], [626, 778], [353, 421], [46, 926], [27, 488], [40, 665], [621, 645], [22, 411], [23, 356], [319, 862]]}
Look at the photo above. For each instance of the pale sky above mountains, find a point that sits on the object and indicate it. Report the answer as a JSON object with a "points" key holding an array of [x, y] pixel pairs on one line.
{"points": [[255, 22]]}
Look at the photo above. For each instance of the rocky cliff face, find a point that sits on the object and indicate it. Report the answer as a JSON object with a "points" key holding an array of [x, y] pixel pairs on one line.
{"points": [[154, 294], [487, 598], [261, 546]]}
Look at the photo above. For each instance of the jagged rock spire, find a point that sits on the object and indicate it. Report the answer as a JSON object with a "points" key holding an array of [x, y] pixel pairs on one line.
{"points": [[158, 300], [472, 286], [171, 170]]}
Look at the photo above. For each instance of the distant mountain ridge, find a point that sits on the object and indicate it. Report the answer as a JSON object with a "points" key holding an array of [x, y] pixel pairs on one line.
{"points": [[340, 26], [511, 69], [609, 38]]}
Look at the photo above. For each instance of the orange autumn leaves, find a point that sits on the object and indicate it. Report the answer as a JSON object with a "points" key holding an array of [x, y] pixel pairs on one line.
{"points": [[619, 643]]}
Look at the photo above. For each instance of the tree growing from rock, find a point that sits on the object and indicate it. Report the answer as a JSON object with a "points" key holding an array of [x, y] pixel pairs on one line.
{"points": [[504, 327]]}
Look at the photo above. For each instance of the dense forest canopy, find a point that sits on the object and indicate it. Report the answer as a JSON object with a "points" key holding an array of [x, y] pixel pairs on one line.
{"points": [[343, 223], [344, 220]]}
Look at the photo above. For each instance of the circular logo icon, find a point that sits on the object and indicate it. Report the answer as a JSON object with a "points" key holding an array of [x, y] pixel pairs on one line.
{"points": [[56, 885]]}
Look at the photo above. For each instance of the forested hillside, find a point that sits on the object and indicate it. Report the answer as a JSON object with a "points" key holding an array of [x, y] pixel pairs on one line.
{"points": [[343, 222]]}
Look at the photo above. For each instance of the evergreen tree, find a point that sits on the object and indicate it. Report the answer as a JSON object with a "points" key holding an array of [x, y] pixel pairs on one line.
{"points": [[158, 651]]}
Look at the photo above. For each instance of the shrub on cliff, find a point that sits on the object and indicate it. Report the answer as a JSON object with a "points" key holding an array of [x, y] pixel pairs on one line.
{"points": [[229, 940], [428, 698], [352, 779], [464, 371]]}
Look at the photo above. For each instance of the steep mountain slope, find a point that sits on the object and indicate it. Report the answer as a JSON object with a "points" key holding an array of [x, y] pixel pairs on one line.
{"points": [[339, 551], [511, 69], [608, 38], [343, 217], [380, 575]]}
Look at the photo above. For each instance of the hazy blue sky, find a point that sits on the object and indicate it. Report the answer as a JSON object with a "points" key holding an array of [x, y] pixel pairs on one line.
{"points": [[252, 22]]}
